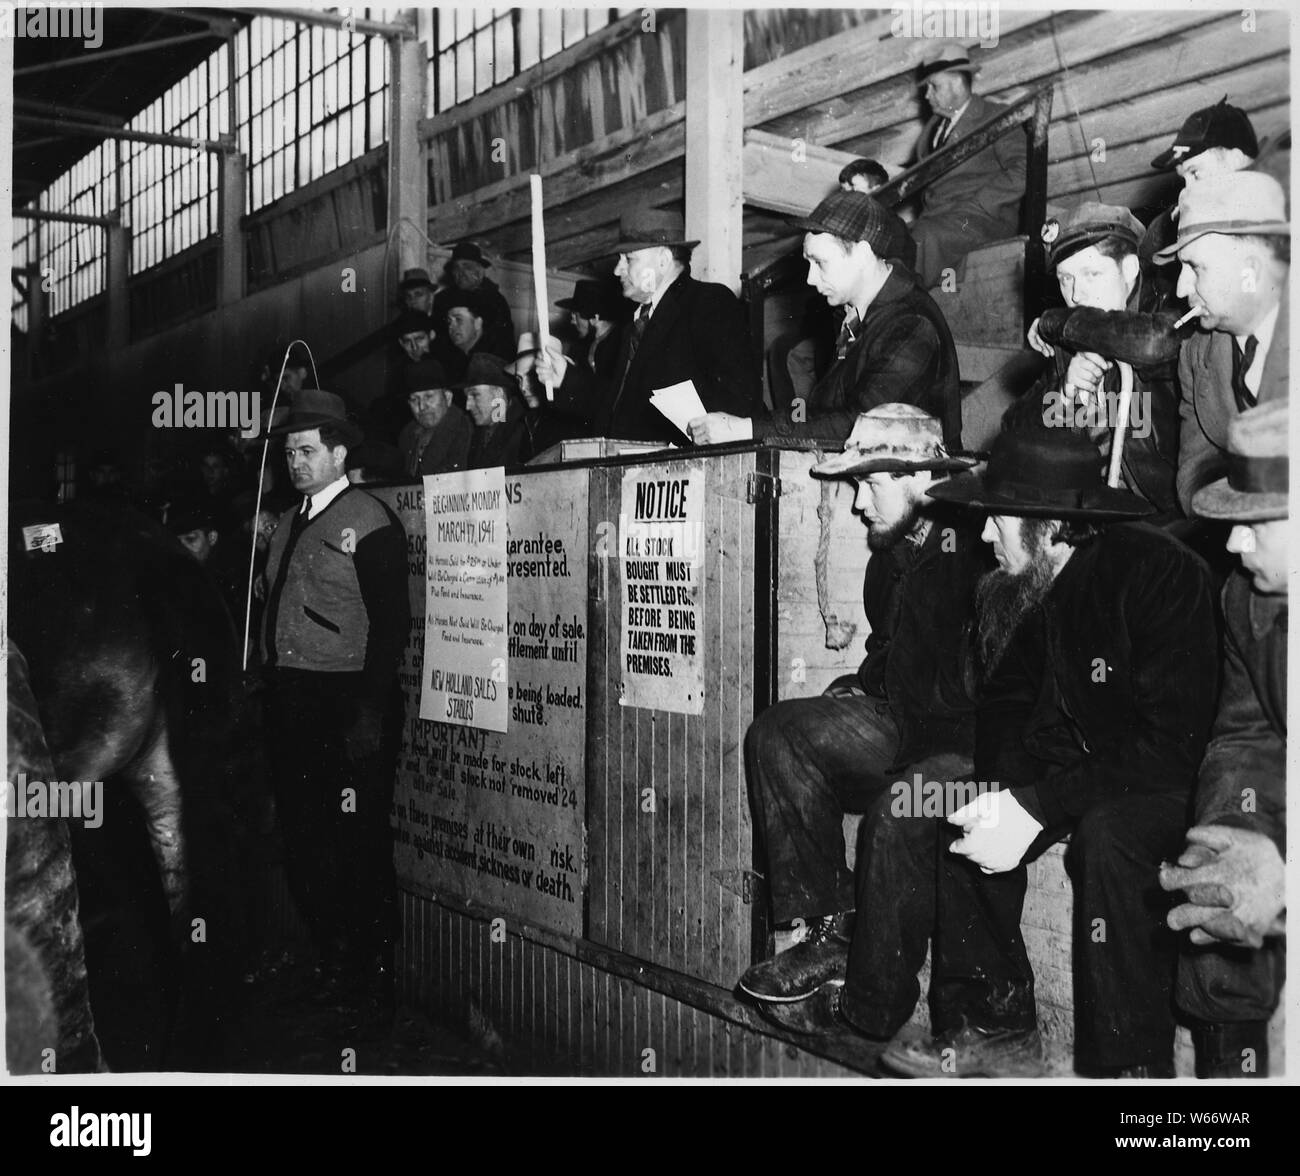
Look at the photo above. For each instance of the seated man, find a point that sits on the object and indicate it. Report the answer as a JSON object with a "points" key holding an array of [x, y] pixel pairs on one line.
{"points": [[1234, 247], [979, 200], [596, 311], [894, 347], [465, 274], [437, 440], [1230, 978], [1101, 639], [862, 175], [467, 318], [909, 709], [499, 436], [1093, 252]]}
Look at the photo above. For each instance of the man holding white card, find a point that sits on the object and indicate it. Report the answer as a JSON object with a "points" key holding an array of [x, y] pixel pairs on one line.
{"points": [[683, 331], [895, 346]]}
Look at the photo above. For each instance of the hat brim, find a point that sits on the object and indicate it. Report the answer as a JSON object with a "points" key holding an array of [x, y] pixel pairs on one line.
{"points": [[1218, 500], [840, 465], [1167, 160], [633, 245], [928, 71], [300, 422], [1228, 228], [416, 284], [1104, 504]]}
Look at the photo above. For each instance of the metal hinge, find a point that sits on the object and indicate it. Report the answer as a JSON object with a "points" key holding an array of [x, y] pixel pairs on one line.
{"points": [[762, 488], [737, 881]]}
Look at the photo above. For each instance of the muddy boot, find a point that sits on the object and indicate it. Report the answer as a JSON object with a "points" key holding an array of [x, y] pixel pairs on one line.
{"points": [[804, 968]]}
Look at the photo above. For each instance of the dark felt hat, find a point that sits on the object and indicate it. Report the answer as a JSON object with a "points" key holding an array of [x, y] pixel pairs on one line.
{"points": [[471, 300], [592, 298], [312, 408], [410, 321], [424, 375], [1044, 473], [1219, 125], [1259, 468], [647, 227], [415, 279], [485, 370], [468, 251]]}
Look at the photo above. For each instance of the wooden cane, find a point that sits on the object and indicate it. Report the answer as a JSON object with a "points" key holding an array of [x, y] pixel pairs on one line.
{"points": [[539, 275], [1121, 425]]}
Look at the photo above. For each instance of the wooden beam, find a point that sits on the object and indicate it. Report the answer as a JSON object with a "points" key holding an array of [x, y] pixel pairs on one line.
{"points": [[786, 180], [715, 54]]}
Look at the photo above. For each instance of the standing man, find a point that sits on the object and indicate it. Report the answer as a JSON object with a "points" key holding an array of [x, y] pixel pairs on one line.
{"points": [[908, 709], [595, 311], [336, 623], [1233, 868], [466, 274], [894, 346], [683, 329], [1234, 249], [1092, 721], [979, 200]]}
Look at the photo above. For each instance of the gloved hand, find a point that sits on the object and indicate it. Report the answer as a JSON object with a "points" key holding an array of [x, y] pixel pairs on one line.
{"points": [[363, 738], [1236, 894], [997, 830]]}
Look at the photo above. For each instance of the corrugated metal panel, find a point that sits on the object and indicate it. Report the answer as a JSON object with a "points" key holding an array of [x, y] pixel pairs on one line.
{"points": [[558, 1014]]}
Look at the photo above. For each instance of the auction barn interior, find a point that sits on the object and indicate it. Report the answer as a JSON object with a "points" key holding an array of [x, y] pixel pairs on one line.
{"points": [[200, 195]]}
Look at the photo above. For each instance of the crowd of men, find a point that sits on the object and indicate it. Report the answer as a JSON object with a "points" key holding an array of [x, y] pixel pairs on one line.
{"points": [[1047, 627]]}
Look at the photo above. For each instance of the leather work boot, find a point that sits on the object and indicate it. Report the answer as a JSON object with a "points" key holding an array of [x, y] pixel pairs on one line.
{"points": [[817, 1015], [804, 968], [968, 1052]]}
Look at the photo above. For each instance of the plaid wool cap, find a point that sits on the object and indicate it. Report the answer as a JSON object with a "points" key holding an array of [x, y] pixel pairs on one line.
{"points": [[854, 216]]}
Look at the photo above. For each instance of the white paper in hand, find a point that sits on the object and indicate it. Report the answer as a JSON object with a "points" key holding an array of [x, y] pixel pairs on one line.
{"points": [[680, 403]]}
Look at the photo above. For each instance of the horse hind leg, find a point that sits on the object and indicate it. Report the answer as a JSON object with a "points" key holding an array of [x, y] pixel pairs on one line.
{"points": [[155, 782]]}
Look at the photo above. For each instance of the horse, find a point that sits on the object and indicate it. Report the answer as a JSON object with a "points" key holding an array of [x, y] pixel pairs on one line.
{"points": [[131, 658]]}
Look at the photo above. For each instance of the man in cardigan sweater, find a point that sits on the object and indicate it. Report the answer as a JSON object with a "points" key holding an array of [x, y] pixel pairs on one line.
{"points": [[336, 622]]}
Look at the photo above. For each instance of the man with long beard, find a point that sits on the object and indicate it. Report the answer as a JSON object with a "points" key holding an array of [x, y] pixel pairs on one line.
{"points": [[909, 707], [1101, 654]]}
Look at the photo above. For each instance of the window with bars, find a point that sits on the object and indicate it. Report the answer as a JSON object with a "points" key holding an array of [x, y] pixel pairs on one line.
{"points": [[473, 49], [311, 99], [170, 193], [72, 255]]}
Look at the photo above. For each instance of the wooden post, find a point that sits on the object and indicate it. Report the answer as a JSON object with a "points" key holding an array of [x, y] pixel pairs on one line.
{"points": [[230, 211], [407, 189], [1035, 206], [715, 54], [118, 265]]}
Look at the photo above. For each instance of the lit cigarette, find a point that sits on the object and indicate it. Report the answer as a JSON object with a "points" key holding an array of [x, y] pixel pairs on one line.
{"points": [[1191, 314]]}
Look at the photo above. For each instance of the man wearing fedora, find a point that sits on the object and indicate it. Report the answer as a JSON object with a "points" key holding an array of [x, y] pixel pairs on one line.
{"points": [[979, 200], [499, 437], [1099, 642], [909, 709], [416, 290], [596, 312], [1234, 253], [683, 329], [436, 440], [1233, 870], [894, 346], [465, 274], [1110, 313], [335, 625]]}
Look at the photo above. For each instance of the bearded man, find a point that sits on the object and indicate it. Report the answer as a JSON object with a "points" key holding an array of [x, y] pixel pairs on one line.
{"points": [[1100, 642], [909, 707]]}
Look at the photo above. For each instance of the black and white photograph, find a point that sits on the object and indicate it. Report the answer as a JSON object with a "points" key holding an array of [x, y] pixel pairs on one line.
{"points": [[621, 546]]}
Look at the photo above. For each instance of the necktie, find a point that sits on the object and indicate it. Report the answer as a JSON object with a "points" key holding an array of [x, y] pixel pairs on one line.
{"points": [[634, 337], [941, 133], [1241, 362], [848, 333]]}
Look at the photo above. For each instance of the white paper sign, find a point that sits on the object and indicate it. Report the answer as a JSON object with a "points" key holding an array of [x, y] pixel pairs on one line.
{"points": [[466, 669], [680, 403]]}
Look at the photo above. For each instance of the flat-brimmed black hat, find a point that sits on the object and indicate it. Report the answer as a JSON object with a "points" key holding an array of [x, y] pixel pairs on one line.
{"points": [[647, 227], [415, 279], [594, 299], [310, 409], [410, 321], [1043, 473], [468, 251], [471, 300], [1219, 125], [424, 375]]}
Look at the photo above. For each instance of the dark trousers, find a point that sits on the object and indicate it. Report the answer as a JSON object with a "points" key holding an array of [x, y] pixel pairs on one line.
{"points": [[333, 813], [810, 761], [1231, 985], [909, 884]]}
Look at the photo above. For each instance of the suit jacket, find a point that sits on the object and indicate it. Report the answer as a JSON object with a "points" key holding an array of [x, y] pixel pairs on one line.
{"points": [[1207, 404], [1248, 747], [903, 353], [990, 183], [445, 449], [698, 332], [1107, 687]]}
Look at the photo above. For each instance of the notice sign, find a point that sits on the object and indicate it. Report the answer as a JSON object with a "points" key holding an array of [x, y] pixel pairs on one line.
{"points": [[465, 668], [661, 549]]}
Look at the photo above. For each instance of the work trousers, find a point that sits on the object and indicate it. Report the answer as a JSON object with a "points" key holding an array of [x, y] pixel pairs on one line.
{"points": [[910, 885], [334, 814]]}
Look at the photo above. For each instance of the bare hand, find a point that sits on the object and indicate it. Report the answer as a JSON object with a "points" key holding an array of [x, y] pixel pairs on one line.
{"points": [[1035, 341], [716, 428], [1084, 376], [551, 365]]}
